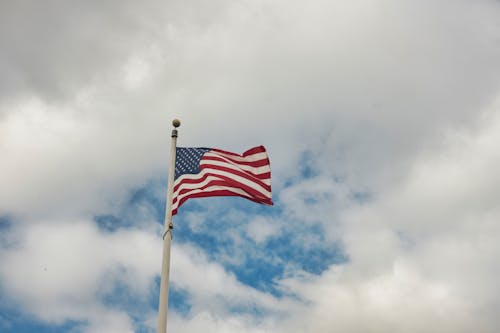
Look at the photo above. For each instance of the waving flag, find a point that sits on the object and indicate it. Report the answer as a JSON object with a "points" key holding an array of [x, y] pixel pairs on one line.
{"points": [[207, 172]]}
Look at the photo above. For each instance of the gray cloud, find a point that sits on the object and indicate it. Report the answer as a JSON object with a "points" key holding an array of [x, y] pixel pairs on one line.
{"points": [[54, 49], [396, 101]]}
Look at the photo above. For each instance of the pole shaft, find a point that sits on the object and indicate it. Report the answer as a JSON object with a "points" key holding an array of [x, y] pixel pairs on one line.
{"points": [[167, 240]]}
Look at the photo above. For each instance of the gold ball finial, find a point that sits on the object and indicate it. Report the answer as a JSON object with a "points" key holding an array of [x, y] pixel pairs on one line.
{"points": [[176, 123]]}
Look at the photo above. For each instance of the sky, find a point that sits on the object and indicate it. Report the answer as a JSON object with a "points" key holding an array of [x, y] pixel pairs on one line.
{"points": [[382, 123]]}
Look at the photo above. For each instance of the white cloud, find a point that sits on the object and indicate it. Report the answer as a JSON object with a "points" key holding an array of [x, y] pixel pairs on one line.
{"points": [[136, 73], [375, 90], [206, 322], [422, 252], [389, 98], [210, 286], [59, 271], [261, 228], [109, 321], [400, 299]]}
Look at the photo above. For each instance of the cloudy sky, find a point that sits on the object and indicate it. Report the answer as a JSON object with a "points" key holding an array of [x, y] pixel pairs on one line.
{"points": [[382, 122]]}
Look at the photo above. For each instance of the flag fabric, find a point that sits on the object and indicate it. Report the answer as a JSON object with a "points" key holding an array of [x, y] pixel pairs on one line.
{"points": [[207, 172]]}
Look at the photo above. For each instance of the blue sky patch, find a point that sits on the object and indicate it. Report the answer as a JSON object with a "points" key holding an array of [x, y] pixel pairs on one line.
{"points": [[4, 223], [179, 298], [14, 321], [307, 168], [142, 204], [224, 235]]}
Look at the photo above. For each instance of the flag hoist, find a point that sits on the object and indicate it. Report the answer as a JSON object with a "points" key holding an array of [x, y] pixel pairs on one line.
{"points": [[167, 235], [208, 172]]}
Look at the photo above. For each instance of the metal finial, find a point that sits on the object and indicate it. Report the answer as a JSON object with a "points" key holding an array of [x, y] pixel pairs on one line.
{"points": [[176, 123]]}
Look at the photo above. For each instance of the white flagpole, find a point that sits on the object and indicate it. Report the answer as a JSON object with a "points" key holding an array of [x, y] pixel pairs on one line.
{"points": [[167, 236]]}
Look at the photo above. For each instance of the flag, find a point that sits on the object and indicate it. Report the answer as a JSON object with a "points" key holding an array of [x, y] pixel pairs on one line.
{"points": [[207, 172]]}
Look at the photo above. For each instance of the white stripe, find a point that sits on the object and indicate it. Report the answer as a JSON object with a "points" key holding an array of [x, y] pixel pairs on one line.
{"points": [[266, 181], [250, 158], [228, 174], [210, 178], [238, 159], [234, 166], [210, 189]]}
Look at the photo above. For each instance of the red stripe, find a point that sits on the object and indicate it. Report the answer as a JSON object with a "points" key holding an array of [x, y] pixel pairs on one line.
{"points": [[266, 201], [208, 193], [254, 150], [262, 177], [257, 179], [239, 158], [226, 182], [218, 193], [204, 177], [251, 177], [258, 163], [205, 189], [251, 151]]}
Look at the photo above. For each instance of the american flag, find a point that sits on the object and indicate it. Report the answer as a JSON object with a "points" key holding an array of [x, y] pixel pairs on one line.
{"points": [[207, 172]]}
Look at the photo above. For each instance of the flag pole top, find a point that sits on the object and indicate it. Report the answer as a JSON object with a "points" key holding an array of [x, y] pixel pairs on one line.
{"points": [[176, 123]]}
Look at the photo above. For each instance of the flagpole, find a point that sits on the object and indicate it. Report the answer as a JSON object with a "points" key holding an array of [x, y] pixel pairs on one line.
{"points": [[167, 236]]}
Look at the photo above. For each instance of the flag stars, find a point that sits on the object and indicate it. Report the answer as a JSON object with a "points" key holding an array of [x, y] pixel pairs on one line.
{"points": [[188, 160], [224, 174]]}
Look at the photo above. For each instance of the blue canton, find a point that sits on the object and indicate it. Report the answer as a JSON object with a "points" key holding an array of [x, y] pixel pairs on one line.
{"points": [[188, 160]]}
